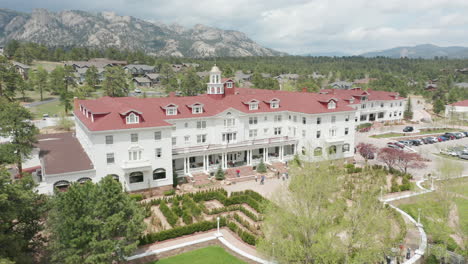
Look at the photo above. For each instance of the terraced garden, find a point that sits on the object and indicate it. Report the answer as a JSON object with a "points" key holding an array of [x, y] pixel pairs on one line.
{"points": [[180, 215]]}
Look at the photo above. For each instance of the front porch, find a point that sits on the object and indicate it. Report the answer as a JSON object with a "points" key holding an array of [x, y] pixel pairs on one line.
{"points": [[208, 163]]}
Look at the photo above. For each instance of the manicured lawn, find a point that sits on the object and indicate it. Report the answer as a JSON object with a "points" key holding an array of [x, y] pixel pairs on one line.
{"points": [[208, 255], [462, 205], [388, 135], [459, 186], [49, 108]]}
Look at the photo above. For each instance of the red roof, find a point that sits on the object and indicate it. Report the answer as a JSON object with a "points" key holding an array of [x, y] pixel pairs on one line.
{"points": [[153, 114], [461, 103], [356, 93]]}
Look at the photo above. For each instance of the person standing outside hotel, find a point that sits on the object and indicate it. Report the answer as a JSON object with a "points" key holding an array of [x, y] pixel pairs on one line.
{"points": [[238, 173]]}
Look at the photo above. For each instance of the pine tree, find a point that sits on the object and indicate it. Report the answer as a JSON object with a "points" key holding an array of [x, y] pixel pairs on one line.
{"points": [[261, 168], [115, 82], [219, 175], [408, 114]]}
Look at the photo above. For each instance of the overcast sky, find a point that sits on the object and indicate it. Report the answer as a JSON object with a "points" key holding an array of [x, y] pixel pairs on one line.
{"points": [[299, 26]]}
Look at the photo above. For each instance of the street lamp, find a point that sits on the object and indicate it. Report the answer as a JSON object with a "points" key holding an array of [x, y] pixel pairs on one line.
{"points": [[419, 216], [217, 219]]}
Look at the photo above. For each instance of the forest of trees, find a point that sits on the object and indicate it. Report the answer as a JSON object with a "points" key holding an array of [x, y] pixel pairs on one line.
{"points": [[406, 76]]}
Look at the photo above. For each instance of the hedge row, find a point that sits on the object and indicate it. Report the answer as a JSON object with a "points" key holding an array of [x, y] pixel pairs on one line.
{"points": [[189, 204], [244, 235], [181, 231], [170, 216], [245, 223]]}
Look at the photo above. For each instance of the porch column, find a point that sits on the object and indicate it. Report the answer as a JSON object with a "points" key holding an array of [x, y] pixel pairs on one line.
{"points": [[204, 164], [223, 161], [265, 154], [188, 165], [281, 153], [250, 157], [185, 165]]}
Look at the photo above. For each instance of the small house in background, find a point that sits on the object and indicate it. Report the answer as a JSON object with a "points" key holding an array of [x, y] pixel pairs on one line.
{"points": [[142, 81], [342, 85], [240, 76], [203, 75], [364, 81], [139, 69], [154, 78], [22, 69], [457, 110]]}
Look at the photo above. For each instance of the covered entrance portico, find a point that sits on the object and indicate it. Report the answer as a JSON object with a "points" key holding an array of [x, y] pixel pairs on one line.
{"points": [[210, 159]]}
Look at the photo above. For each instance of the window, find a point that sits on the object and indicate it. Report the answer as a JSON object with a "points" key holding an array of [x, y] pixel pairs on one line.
{"points": [[372, 105], [318, 151], [159, 174], [351, 101], [229, 84], [399, 113], [134, 137], [347, 118], [391, 104], [230, 122], [363, 106], [364, 98], [395, 113], [319, 120], [157, 135], [401, 103], [382, 105], [346, 147], [304, 120], [332, 150], [265, 131], [198, 109], [201, 138], [355, 119], [332, 132], [277, 118], [158, 152], [109, 140], [171, 111], [289, 117], [201, 124], [253, 106], [318, 134], [185, 124], [303, 133], [136, 177], [132, 119], [363, 117], [134, 154], [110, 158], [381, 115], [277, 131], [274, 104], [333, 119], [174, 141], [303, 151], [295, 118], [228, 137], [187, 139], [390, 115], [253, 120], [331, 104], [265, 118], [346, 131], [252, 133]]}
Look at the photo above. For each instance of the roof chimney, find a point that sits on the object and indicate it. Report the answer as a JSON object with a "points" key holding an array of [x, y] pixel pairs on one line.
{"points": [[304, 89]]}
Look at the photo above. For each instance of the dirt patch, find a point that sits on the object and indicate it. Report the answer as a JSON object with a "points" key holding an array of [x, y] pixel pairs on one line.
{"points": [[213, 204], [157, 213], [454, 223], [246, 206]]}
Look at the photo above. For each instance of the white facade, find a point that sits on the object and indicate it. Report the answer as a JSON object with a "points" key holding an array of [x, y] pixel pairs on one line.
{"points": [[455, 111], [380, 111]]}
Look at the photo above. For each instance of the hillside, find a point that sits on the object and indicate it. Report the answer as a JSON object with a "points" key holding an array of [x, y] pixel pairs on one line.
{"points": [[425, 51], [106, 29]]}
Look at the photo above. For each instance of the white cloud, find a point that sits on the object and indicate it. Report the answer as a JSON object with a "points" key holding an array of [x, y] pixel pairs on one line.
{"points": [[301, 26]]}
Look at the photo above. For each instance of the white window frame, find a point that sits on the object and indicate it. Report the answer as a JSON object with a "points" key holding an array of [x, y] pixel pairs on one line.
{"points": [[197, 109], [252, 133], [134, 155], [132, 118], [274, 104], [109, 139], [253, 120], [277, 131], [278, 118], [134, 136], [201, 124], [171, 111], [331, 104], [253, 106], [158, 153], [201, 138], [229, 84], [110, 156], [157, 135]]}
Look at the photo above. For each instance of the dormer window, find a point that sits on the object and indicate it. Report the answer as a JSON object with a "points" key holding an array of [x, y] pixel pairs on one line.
{"points": [[171, 111], [351, 101], [274, 104], [229, 84], [364, 98], [197, 109], [132, 118], [253, 106], [331, 104]]}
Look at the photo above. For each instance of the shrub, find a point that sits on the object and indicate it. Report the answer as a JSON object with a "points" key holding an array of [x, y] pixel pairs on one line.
{"points": [[136, 196], [168, 214], [169, 192], [261, 168], [248, 238], [181, 231], [186, 217], [176, 209], [219, 174]]}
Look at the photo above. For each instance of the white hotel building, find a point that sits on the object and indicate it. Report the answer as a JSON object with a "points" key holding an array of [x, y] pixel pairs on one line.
{"points": [[143, 141]]}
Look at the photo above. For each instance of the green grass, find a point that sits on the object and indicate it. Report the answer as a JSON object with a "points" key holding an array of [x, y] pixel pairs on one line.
{"points": [[436, 131], [424, 132], [462, 205], [459, 186], [449, 157], [388, 135], [49, 108], [208, 255]]}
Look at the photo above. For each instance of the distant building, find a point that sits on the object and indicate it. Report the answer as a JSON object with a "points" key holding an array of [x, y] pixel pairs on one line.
{"points": [[139, 69], [240, 76], [364, 81], [342, 85], [98, 63], [287, 77], [154, 78], [457, 110], [142, 81], [316, 75], [461, 85], [22, 69]]}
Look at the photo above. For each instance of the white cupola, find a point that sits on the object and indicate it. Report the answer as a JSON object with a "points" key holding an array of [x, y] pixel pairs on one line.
{"points": [[215, 86]]}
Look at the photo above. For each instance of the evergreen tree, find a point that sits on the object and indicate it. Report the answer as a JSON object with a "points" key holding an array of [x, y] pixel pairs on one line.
{"points": [[191, 84], [408, 114], [39, 81], [56, 80], [439, 106], [261, 168], [9, 80], [15, 123], [66, 94], [92, 77], [94, 223], [219, 175], [22, 209], [115, 82]]}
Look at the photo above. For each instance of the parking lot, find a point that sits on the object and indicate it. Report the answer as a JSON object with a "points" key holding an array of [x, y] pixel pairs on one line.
{"points": [[428, 151]]}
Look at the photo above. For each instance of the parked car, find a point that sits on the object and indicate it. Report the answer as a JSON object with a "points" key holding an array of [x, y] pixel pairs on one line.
{"points": [[402, 146], [137, 90], [463, 154], [449, 135], [405, 142], [466, 133], [395, 145], [426, 140], [442, 138], [408, 129], [433, 139], [459, 135], [415, 142]]}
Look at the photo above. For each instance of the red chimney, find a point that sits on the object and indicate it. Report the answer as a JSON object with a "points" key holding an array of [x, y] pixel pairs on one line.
{"points": [[304, 89]]}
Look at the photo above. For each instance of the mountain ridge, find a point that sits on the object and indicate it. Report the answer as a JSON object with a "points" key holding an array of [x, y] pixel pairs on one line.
{"points": [[106, 29], [425, 51]]}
